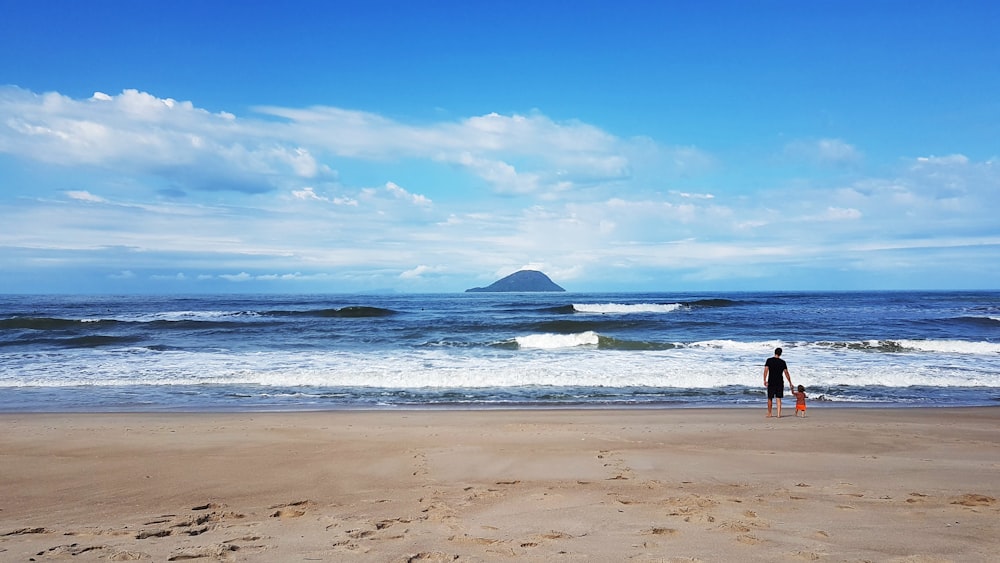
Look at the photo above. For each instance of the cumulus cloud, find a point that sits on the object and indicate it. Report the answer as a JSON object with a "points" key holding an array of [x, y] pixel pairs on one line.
{"points": [[400, 193], [930, 180], [138, 133], [577, 201], [308, 193], [502, 176]]}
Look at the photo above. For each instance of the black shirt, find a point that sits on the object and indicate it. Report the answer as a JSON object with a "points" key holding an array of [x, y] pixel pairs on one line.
{"points": [[775, 371]]}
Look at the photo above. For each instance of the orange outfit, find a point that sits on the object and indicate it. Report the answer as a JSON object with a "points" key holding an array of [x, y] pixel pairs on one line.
{"points": [[800, 401]]}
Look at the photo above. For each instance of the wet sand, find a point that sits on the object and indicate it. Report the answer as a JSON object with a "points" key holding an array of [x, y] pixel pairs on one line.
{"points": [[915, 485]]}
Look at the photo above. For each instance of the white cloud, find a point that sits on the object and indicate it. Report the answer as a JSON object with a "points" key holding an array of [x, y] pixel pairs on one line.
{"points": [[400, 193], [299, 160], [563, 197], [420, 271], [279, 277], [240, 277], [950, 160], [309, 194], [502, 176], [519, 154], [136, 132], [84, 196], [688, 195]]}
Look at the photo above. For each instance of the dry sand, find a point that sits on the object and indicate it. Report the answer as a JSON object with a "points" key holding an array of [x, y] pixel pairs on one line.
{"points": [[528, 485]]}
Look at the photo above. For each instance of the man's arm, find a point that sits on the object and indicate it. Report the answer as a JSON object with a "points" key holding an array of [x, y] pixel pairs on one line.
{"points": [[788, 376], [765, 375]]}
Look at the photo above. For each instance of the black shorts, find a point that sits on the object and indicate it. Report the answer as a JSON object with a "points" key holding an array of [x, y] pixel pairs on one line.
{"points": [[776, 391]]}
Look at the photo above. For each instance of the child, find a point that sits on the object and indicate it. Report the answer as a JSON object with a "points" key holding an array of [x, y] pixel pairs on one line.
{"points": [[800, 401]]}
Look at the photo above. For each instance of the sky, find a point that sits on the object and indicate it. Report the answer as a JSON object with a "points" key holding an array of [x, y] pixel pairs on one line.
{"points": [[434, 146]]}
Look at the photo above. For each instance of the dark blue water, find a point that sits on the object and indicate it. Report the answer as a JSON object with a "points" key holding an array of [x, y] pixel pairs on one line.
{"points": [[262, 352]]}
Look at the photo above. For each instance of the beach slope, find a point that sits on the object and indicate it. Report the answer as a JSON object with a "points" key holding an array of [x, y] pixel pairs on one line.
{"points": [[526, 485]]}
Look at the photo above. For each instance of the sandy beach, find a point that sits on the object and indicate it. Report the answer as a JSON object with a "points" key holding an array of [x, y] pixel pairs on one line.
{"points": [[914, 485]]}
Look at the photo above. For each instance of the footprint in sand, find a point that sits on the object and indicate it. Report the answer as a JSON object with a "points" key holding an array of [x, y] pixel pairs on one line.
{"points": [[72, 550], [431, 557], [748, 539], [127, 556], [474, 540], [383, 524], [752, 522], [737, 526], [213, 551], [538, 539], [290, 510], [168, 524], [974, 500], [21, 531], [616, 463], [420, 464], [146, 534], [692, 508]]}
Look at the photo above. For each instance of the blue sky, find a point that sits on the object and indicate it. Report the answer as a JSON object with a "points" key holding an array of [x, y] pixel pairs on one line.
{"points": [[198, 147]]}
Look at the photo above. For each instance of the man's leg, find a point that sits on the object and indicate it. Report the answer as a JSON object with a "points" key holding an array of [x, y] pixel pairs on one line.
{"points": [[778, 400], [768, 406]]}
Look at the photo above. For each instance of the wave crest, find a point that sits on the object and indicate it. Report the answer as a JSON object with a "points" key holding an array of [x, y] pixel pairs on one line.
{"points": [[550, 341], [625, 308]]}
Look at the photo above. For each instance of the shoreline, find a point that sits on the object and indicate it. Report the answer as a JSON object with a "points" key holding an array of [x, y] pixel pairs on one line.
{"points": [[536, 484], [389, 409], [527, 406]]}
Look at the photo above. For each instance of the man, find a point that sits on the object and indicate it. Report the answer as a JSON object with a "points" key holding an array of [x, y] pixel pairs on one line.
{"points": [[774, 367]]}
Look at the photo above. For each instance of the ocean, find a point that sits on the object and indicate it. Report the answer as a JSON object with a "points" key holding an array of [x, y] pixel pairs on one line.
{"points": [[493, 350]]}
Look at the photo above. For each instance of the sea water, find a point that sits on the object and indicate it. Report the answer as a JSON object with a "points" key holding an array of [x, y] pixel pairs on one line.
{"points": [[493, 350]]}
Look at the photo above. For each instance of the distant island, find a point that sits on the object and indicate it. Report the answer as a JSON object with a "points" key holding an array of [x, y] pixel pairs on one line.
{"points": [[525, 280]]}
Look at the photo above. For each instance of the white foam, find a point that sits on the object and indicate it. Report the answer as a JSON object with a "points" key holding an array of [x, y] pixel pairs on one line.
{"points": [[559, 360], [951, 346], [174, 316], [552, 341], [733, 345], [620, 308], [193, 315]]}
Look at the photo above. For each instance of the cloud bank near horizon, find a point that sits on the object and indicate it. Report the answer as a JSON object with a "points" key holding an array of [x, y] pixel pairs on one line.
{"points": [[133, 187]]}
